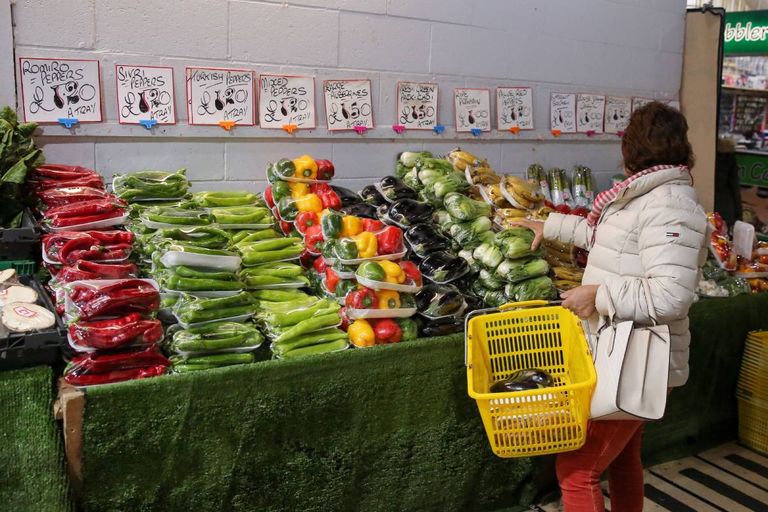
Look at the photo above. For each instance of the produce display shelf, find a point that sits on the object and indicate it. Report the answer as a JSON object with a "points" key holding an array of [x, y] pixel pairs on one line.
{"points": [[19, 350], [19, 243]]}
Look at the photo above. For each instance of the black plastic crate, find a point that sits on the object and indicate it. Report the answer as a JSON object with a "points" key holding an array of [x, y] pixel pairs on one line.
{"points": [[20, 350], [20, 243]]}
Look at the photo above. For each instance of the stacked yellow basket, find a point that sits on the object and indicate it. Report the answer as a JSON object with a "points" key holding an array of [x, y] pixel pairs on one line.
{"points": [[752, 392]]}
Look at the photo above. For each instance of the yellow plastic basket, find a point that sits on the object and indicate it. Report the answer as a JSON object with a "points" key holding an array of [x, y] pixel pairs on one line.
{"points": [[753, 424], [524, 335]]}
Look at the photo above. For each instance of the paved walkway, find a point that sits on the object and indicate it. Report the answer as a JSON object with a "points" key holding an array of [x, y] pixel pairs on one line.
{"points": [[729, 478]]}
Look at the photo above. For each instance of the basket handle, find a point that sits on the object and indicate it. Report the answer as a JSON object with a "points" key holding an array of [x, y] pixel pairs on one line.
{"points": [[524, 304]]}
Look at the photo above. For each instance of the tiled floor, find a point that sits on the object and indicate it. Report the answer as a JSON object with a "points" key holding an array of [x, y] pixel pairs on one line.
{"points": [[729, 478]]}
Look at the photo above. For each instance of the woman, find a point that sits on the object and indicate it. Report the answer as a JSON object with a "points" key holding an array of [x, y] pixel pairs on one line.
{"points": [[646, 233]]}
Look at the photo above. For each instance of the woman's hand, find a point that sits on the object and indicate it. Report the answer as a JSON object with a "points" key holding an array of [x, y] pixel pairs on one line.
{"points": [[536, 226], [581, 300]]}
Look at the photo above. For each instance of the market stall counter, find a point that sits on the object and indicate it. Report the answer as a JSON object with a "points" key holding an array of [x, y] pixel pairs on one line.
{"points": [[387, 428]]}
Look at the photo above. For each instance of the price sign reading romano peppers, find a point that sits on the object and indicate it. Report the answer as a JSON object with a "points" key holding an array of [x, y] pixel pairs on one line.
{"points": [[562, 112], [473, 109], [215, 95], [417, 105], [348, 104], [514, 108], [617, 112], [52, 89], [145, 92], [590, 109], [286, 100]]}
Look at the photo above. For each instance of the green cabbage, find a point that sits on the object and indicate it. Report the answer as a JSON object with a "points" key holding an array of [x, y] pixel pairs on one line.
{"points": [[515, 271], [489, 281], [488, 255], [515, 243], [462, 208], [538, 288]]}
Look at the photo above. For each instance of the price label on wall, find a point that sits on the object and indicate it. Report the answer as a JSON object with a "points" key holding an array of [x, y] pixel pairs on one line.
{"points": [[590, 109], [639, 102], [617, 112], [215, 95], [286, 100], [562, 112], [417, 105], [52, 89], [145, 93], [514, 108], [473, 109], [348, 104]]}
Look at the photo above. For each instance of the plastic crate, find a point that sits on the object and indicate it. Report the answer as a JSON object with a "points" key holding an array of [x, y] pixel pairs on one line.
{"points": [[20, 350], [753, 424], [22, 242], [22, 267]]}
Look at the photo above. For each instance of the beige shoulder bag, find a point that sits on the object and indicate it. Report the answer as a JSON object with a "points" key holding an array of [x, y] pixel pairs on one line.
{"points": [[632, 365]]}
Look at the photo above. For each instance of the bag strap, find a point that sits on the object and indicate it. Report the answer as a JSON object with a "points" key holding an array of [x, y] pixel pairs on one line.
{"points": [[649, 302]]}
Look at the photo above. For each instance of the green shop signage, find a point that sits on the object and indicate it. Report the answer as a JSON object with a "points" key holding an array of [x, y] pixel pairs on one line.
{"points": [[753, 168], [746, 33]]}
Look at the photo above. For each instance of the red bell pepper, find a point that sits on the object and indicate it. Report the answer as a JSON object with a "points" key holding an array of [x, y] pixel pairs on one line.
{"points": [[313, 236], [390, 240], [372, 225], [286, 227], [327, 195], [412, 272], [344, 319], [306, 259], [319, 265], [268, 197], [386, 330], [306, 219], [363, 298], [331, 279], [325, 169]]}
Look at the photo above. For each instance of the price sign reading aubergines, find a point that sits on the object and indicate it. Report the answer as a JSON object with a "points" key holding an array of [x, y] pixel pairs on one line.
{"points": [[52, 89], [562, 112], [215, 95], [473, 109], [417, 105], [348, 104], [145, 93], [286, 100]]}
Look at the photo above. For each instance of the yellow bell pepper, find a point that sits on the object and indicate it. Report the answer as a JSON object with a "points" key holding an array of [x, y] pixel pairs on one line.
{"points": [[388, 299], [367, 245], [361, 333], [306, 167], [351, 226], [309, 203], [393, 272], [298, 190]]}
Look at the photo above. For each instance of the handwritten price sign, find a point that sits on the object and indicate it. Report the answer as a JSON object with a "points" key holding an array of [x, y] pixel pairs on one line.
{"points": [[348, 104], [514, 108], [145, 92], [417, 105], [286, 100], [473, 109], [617, 112], [562, 112], [60, 88], [590, 109], [215, 95]]}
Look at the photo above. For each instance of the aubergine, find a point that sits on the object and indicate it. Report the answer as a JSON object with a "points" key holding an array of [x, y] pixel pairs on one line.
{"points": [[347, 197], [473, 302], [409, 212], [441, 327], [370, 195], [364, 210], [424, 239], [393, 189], [442, 267], [439, 300], [524, 380]]}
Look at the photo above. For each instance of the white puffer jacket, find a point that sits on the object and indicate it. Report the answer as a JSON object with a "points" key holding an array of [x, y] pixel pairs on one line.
{"points": [[651, 237]]}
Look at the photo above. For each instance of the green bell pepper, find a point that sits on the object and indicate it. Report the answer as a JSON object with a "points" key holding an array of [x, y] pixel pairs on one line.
{"points": [[280, 189], [371, 270], [345, 286], [346, 249], [407, 300], [283, 168], [408, 326], [331, 225], [286, 207]]}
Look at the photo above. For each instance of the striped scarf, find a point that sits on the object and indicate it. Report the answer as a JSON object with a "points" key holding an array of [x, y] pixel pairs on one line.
{"points": [[606, 197]]}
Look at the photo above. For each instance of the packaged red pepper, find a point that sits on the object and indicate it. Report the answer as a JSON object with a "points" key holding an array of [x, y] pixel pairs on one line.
{"points": [[325, 169], [61, 172], [71, 246], [129, 330], [93, 181], [327, 195], [78, 377], [67, 195], [92, 299], [390, 240], [386, 331]]}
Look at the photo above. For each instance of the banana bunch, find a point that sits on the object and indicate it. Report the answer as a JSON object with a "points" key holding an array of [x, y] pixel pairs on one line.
{"points": [[564, 285], [505, 216], [477, 171], [541, 213], [569, 273], [495, 197], [521, 193]]}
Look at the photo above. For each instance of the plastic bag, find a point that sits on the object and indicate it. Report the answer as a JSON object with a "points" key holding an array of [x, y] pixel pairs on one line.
{"points": [[94, 368]]}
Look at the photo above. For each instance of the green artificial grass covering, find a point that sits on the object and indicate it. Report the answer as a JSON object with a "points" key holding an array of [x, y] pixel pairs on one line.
{"points": [[380, 429], [32, 476]]}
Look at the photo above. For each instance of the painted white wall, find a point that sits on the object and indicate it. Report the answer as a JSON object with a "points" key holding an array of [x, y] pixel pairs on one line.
{"points": [[623, 47]]}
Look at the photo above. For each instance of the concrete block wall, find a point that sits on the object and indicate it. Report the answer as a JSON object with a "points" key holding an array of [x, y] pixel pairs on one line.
{"points": [[621, 47]]}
